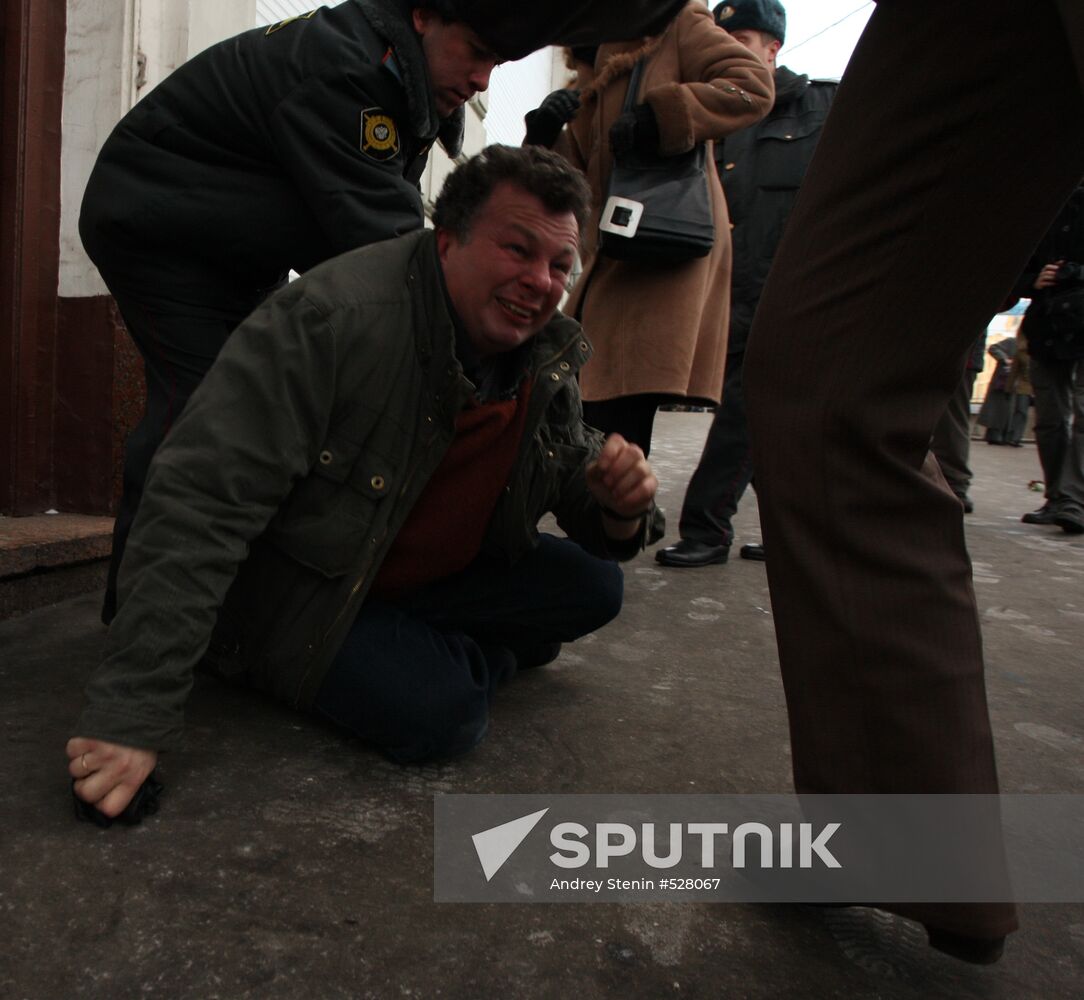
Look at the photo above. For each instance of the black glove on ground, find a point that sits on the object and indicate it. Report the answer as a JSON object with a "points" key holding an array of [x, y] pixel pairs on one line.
{"points": [[544, 124], [635, 131], [144, 803]]}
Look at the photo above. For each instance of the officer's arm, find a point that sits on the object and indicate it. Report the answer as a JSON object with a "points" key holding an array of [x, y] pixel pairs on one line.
{"points": [[345, 153]]}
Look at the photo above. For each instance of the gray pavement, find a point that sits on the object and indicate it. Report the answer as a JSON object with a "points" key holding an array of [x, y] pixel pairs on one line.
{"points": [[289, 862]]}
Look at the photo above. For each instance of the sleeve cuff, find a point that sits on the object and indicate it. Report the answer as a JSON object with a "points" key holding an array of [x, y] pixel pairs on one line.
{"points": [[130, 730]]}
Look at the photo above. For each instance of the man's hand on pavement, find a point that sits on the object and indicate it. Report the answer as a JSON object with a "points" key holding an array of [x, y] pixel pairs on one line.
{"points": [[107, 775]]}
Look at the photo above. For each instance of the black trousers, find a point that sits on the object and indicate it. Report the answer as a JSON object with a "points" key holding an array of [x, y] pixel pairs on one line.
{"points": [[415, 676], [905, 238], [633, 417], [951, 441], [179, 316], [1059, 429], [725, 469]]}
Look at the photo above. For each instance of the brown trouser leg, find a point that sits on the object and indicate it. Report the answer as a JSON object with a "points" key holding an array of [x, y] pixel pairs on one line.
{"points": [[957, 134]]}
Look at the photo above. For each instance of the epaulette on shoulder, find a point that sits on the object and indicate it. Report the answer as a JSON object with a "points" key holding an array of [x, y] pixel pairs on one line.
{"points": [[825, 80]]}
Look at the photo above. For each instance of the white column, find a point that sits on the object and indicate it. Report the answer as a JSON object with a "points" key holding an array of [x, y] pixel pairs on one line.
{"points": [[98, 83], [212, 20], [116, 53]]}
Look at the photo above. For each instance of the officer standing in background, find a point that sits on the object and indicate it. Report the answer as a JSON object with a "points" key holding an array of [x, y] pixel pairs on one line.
{"points": [[761, 168], [1053, 328], [273, 150], [951, 441]]}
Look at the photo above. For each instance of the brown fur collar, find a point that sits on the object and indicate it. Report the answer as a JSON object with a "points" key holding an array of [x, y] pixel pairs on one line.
{"points": [[618, 65]]}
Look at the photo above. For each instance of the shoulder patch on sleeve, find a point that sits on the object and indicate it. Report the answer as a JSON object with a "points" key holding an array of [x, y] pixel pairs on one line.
{"points": [[289, 20], [379, 136]]}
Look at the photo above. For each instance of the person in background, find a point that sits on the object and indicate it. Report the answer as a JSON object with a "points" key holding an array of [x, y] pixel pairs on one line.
{"points": [[761, 167], [1004, 411], [951, 440], [659, 332], [1053, 328]]}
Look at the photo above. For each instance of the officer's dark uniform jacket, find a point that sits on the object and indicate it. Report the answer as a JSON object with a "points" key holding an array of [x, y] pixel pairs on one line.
{"points": [[297, 461], [761, 168], [516, 30], [279, 148], [1063, 241]]}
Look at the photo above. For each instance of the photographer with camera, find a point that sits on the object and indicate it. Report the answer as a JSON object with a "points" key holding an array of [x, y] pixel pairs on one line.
{"points": [[1054, 329]]}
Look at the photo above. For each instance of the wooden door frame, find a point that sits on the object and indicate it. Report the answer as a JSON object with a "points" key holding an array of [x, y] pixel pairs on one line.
{"points": [[31, 99]]}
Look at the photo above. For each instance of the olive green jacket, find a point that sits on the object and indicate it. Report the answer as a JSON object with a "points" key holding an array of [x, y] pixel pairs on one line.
{"points": [[277, 494]]}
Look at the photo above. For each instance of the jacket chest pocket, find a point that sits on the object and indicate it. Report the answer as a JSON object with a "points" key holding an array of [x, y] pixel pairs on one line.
{"points": [[334, 513], [784, 149]]}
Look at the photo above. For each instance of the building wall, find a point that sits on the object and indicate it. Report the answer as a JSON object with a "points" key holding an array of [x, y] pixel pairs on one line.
{"points": [[98, 83], [518, 87], [31, 71], [116, 53], [113, 54]]}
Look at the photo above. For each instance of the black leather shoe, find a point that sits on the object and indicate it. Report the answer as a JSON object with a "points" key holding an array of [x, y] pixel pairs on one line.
{"points": [[690, 553], [977, 951], [1070, 521], [1044, 515], [537, 655], [754, 551]]}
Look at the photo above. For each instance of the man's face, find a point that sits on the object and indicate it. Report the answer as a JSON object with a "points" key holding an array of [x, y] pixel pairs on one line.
{"points": [[763, 46], [459, 61], [506, 279]]}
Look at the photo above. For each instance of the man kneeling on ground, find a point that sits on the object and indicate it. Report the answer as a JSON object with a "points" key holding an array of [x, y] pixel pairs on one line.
{"points": [[345, 515]]}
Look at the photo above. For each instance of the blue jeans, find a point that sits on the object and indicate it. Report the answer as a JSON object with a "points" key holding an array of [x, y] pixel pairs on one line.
{"points": [[414, 676]]}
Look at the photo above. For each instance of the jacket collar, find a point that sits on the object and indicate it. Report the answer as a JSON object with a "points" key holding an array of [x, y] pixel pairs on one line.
{"points": [[390, 21], [789, 86]]}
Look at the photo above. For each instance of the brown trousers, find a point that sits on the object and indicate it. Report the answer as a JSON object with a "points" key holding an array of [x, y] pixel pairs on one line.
{"points": [[956, 135]]}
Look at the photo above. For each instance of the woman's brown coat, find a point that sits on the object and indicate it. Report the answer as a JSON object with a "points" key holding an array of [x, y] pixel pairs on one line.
{"points": [[662, 329]]}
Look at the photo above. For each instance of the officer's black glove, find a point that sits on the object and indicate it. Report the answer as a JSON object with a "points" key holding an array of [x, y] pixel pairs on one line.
{"points": [[1070, 273], [635, 131], [544, 124]]}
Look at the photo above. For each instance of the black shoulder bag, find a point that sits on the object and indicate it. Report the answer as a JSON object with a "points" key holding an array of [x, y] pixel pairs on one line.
{"points": [[658, 208]]}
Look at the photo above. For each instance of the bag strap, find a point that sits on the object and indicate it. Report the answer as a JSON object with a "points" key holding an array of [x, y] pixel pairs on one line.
{"points": [[634, 84]]}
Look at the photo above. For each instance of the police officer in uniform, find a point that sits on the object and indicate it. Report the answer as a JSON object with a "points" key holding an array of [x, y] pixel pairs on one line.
{"points": [[761, 168], [273, 150], [1053, 328]]}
